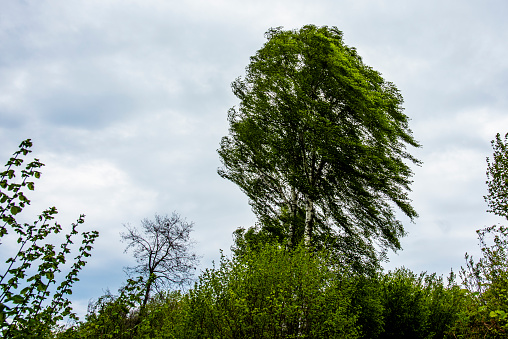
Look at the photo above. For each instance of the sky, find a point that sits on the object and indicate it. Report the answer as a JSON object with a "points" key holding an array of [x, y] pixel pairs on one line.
{"points": [[126, 103]]}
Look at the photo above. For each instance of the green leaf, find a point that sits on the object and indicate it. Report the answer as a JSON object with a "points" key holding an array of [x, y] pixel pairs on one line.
{"points": [[41, 287], [17, 299], [15, 210]]}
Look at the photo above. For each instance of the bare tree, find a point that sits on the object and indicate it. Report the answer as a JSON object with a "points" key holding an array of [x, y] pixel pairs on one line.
{"points": [[162, 249]]}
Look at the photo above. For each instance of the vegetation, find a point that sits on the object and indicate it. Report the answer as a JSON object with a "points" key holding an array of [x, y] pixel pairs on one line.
{"points": [[486, 280], [308, 269], [32, 290], [162, 251], [318, 144]]}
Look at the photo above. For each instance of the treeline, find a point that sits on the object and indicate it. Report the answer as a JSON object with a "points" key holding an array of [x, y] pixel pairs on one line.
{"points": [[270, 292]]}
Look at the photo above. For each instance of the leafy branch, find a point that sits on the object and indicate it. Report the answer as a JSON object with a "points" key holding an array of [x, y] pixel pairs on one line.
{"points": [[29, 308]]}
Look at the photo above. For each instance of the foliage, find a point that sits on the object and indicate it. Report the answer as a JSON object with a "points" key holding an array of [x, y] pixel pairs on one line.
{"points": [[367, 303], [497, 177], [252, 239], [272, 293], [486, 280], [166, 316], [162, 251], [118, 316], [362, 261], [31, 301], [318, 144], [112, 316], [269, 292], [418, 306]]}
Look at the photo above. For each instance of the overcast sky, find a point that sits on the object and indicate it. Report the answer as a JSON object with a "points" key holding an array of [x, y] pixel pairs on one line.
{"points": [[126, 103]]}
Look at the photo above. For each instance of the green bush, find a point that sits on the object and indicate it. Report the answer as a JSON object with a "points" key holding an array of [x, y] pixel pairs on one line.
{"points": [[112, 316], [272, 293], [486, 282], [275, 293], [418, 306], [165, 316], [367, 304]]}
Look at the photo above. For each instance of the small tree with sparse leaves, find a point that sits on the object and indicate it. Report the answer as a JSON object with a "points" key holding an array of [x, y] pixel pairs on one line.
{"points": [[486, 279], [162, 249], [33, 295]]}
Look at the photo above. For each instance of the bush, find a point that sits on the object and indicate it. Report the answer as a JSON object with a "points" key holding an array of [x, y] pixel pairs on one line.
{"points": [[367, 304], [165, 316], [486, 282], [272, 293], [418, 306]]}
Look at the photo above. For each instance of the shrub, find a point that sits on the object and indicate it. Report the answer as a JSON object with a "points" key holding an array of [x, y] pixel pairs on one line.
{"points": [[272, 293], [418, 306]]}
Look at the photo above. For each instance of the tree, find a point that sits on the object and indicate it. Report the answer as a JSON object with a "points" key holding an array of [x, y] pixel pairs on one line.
{"points": [[30, 304], [497, 177], [162, 251], [318, 144], [486, 280]]}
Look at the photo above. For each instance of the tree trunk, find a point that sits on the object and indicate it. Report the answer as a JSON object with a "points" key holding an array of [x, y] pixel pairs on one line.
{"points": [[309, 216], [147, 293], [292, 223]]}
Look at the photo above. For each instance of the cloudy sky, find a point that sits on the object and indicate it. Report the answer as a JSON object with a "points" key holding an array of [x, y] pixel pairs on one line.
{"points": [[126, 102]]}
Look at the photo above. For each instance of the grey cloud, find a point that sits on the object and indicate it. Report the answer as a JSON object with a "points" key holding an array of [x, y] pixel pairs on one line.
{"points": [[141, 89]]}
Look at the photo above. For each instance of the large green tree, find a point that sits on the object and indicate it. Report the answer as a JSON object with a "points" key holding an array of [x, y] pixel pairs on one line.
{"points": [[318, 143]]}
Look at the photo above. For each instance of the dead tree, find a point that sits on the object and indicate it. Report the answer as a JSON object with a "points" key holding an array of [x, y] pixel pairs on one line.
{"points": [[162, 249]]}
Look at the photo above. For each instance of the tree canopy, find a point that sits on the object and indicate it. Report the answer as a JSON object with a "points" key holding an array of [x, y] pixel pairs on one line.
{"points": [[318, 144]]}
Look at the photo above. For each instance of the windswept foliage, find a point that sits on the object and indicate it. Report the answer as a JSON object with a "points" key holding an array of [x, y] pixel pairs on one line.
{"points": [[318, 144]]}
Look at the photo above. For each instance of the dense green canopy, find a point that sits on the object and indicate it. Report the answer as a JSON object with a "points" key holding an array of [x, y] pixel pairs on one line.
{"points": [[318, 143]]}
